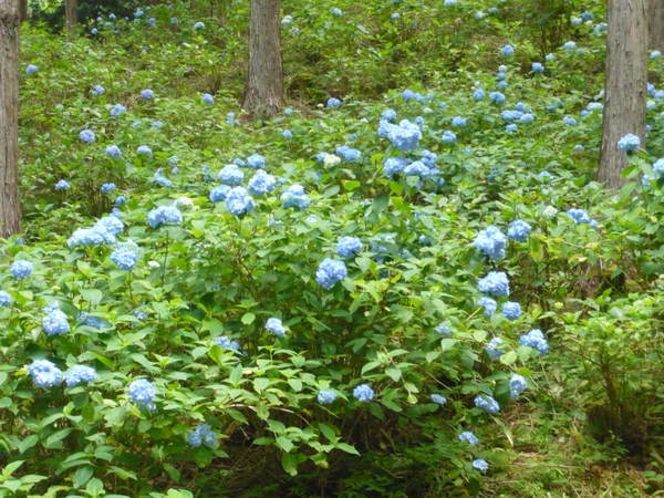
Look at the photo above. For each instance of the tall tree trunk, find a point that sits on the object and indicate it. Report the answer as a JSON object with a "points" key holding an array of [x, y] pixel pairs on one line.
{"points": [[23, 10], [70, 15], [625, 87], [656, 25], [10, 209], [264, 89]]}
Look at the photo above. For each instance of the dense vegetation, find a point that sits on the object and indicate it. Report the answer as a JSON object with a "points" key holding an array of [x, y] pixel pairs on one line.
{"points": [[407, 284]]}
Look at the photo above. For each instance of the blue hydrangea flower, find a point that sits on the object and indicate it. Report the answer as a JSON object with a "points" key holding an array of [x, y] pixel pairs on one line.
{"points": [[438, 399], [480, 464], [511, 310], [570, 121], [538, 67], [411, 95], [517, 385], [570, 45], [238, 201], [497, 97], [62, 185], [347, 247], [449, 3], [502, 85], [55, 323], [202, 436], [98, 90], [113, 151], [490, 305], [20, 269], [87, 136], [79, 374], [580, 216], [152, 21], [336, 12], [147, 94], [326, 397], [405, 136], [333, 102], [493, 348], [31, 69], [419, 169], [511, 115], [287, 134], [511, 128], [125, 256], [199, 26], [491, 243], [256, 161], [468, 437], [144, 150], [109, 224], [507, 50], [95, 322], [329, 272], [629, 143], [587, 16], [275, 326], [218, 194], [478, 94], [142, 391], [89, 237], [443, 329], [261, 183], [227, 343], [164, 215], [536, 340], [394, 165], [363, 393], [518, 230], [5, 298], [459, 121], [449, 137], [44, 373], [117, 110], [487, 403], [495, 283], [526, 118], [658, 167], [348, 153], [107, 187], [230, 118], [388, 115], [294, 197], [231, 175]]}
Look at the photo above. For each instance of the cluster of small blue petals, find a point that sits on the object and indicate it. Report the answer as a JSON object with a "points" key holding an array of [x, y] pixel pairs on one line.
{"points": [[511, 310], [219, 193], [295, 197], [480, 464], [98, 90], [394, 165], [79, 374], [5, 298], [261, 183], [468, 437], [495, 283], [31, 69], [44, 373], [348, 153], [538, 67], [517, 385], [405, 136], [347, 247], [412, 95], [536, 340], [439, 399], [207, 98], [518, 230], [329, 272], [443, 329], [479, 94], [459, 121], [491, 243], [92, 321], [490, 305], [581, 217], [147, 94], [497, 97], [255, 161], [107, 187], [55, 322], [113, 151], [487, 403], [142, 391], [62, 185], [493, 348], [333, 102], [388, 115], [144, 150], [202, 436], [87, 136], [448, 137], [275, 326], [164, 215], [629, 143], [117, 110], [507, 50], [20, 269], [238, 201], [231, 175], [125, 256], [363, 393], [227, 343], [326, 397]]}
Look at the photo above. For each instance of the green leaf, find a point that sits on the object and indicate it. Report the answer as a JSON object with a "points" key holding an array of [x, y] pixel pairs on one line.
{"points": [[27, 443], [289, 462], [248, 318], [328, 432], [347, 448], [393, 373], [370, 366], [261, 383], [82, 476], [95, 488], [10, 468], [236, 375], [284, 443], [296, 384], [508, 358], [5, 402], [93, 296]]}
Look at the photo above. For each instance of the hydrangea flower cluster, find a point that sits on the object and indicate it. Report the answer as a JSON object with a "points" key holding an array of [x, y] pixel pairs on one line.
{"points": [[405, 136], [55, 322], [113, 151], [493, 348], [468, 437], [329, 272], [295, 197], [117, 110], [507, 50], [511, 310], [227, 343], [495, 283], [231, 175], [348, 153], [347, 247], [333, 102], [408, 94], [580, 216], [536, 340], [202, 436], [438, 399], [487, 403], [518, 230], [104, 231], [490, 305], [78, 374], [44, 373], [144, 150], [517, 385], [275, 326], [5, 298], [480, 464], [164, 215], [629, 143], [87, 136], [207, 99], [62, 185], [261, 183], [238, 201], [219, 193], [491, 243], [326, 397], [147, 94], [363, 393], [20, 269], [125, 256], [255, 161], [443, 329], [142, 392]]}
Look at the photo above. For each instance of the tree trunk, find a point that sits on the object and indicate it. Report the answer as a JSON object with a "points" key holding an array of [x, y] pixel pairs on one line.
{"points": [[264, 88], [23, 10], [625, 87], [70, 15], [656, 25], [10, 209]]}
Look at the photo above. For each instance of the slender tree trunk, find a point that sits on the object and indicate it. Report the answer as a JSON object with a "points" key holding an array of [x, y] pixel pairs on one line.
{"points": [[625, 87], [264, 89], [656, 25], [70, 15], [10, 209], [23, 9]]}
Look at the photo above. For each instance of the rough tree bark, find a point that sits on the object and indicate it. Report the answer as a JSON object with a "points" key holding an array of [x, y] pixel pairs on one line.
{"points": [[23, 9], [656, 25], [70, 15], [264, 88], [10, 210], [625, 86]]}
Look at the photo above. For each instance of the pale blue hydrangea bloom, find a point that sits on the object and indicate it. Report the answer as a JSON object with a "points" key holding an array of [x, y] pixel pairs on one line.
{"points": [[487, 403], [388, 115], [62, 185], [231, 175], [142, 391], [449, 137], [227, 343], [517, 385], [255, 161], [459, 121], [507, 50], [55, 323], [147, 94], [164, 215], [31, 69], [219, 193], [518, 230], [536, 340], [363, 393], [655, 54], [336, 12], [491, 243], [329, 272], [478, 94], [207, 98], [44, 373], [468, 437], [527, 118], [261, 183], [199, 25], [658, 167], [411, 95], [405, 136], [5, 298], [125, 256], [580, 216], [629, 143], [295, 197], [144, 150], [570, 45], [113, 151], [394, 165], [493, 348], [511, 310], [202, 436], [238, 201], [275, 326], [287, 134], [490, 305], [20, 269], [87, 136], [326, 397], [480, 464], [79, 374], [438, 399], [443, 329], [495, 283], [497, 97], [333, 102], [117, 110], [511, 128], [570, 121], [348, 153], [347, 247], [538, 67]]}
